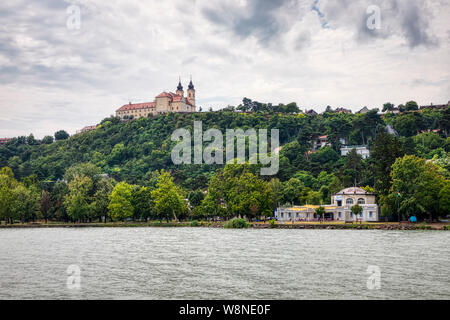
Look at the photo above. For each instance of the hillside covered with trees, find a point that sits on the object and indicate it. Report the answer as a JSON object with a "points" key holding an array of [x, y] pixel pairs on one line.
{"points": [[123, 170]]}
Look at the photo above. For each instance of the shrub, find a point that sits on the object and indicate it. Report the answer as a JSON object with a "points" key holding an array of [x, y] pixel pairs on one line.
{"points": [[237, 223], [195, 223], [423, 227], [272, 223]]}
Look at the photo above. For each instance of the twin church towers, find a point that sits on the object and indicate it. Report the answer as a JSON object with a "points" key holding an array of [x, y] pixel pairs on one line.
{"points": [[165, 102]]}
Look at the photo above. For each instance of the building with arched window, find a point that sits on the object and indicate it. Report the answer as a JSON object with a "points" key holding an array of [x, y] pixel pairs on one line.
{"points": [[164, 103], [339, 210]]}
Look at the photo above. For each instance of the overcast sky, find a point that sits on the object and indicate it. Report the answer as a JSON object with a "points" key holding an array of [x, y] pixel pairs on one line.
{"points": [[314, 52]]}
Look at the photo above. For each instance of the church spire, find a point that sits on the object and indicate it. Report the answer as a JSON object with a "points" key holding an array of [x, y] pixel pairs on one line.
{"points": [[180, 87], [191, 85]]}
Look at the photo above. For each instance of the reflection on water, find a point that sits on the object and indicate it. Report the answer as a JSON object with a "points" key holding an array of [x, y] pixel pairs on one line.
{"points": [[198, 263]]}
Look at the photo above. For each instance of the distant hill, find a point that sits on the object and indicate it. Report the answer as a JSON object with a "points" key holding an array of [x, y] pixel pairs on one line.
{"points": [[132, 151]]}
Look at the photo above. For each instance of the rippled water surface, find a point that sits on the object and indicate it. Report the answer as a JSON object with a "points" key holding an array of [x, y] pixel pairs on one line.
{"points": [[198, 263]]}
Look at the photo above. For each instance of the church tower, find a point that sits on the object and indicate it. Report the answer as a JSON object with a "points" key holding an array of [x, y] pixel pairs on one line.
{"points": [[180, 89], [191, 93]]}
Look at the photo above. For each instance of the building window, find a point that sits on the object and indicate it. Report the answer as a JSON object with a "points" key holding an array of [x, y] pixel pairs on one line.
{"points": [[349, 201], [340, 214], [360, 215], [282, 215], [361, 201], [370, 214], [289, 215]]}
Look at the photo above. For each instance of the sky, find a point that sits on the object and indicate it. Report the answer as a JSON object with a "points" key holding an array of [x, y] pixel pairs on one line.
{"points": [[68, 64]]}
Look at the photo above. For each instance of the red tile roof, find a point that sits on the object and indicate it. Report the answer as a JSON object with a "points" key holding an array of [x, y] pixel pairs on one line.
{"points": [[163, 94], [134, 106], [89, 128], [173, 97], [4, 141]]}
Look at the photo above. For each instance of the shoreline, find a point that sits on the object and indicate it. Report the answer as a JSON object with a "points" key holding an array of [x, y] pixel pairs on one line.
{"points": [[308, 226]]}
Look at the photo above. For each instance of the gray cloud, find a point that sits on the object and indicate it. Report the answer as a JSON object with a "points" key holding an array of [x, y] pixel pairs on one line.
{"points": [[256, 18], [408, 19], [275, 51], [415, 24]]}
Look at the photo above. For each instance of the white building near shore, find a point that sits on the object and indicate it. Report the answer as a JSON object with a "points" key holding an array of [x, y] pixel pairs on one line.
{"points": [[339, 210]]}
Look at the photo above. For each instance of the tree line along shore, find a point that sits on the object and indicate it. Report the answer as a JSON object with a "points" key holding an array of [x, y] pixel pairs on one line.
{"points": [[122, 171]]}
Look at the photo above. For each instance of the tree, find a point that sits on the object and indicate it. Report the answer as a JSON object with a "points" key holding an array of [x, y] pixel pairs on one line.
{"points": [[100, 203], [77, 201], [356, 210], [195, 198], [385, 150], [428, 143], [314, 197], [368, 189], [320, 212], [45, 204], [353, 165], [61, 135], [292, 190], [47, 140], [7, 184], [84, 169], [31, 141], [248, 196], [411, 106], [444, 123], [120, 206], [212, 206], [276, 187], [418, 183], [25, 203], [142, 203], [408, 124], [388, 107], [58, 194], [444, 199], [168, 203], [335, 185]]}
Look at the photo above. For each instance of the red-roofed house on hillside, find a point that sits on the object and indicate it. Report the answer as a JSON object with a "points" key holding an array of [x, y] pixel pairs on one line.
{"points": [[4, 141], [165, 102], [87, 129]]}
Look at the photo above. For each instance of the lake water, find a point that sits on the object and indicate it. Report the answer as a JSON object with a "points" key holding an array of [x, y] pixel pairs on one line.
{"points": [[201, 263]]}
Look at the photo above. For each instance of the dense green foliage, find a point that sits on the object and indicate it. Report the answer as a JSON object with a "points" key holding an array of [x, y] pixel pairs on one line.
{"points": [[237, 223], [123, 170]]}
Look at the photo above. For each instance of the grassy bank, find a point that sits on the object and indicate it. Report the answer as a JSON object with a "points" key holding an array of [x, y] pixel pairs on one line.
{"points": [[258, 225]]}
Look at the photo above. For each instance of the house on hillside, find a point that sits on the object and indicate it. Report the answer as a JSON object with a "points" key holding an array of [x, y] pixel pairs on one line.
{"points": [[363, 151], [363, 110], [343, 110], [436, 107], [87, 129], [310, 112], [4, 141], [320, 142]]}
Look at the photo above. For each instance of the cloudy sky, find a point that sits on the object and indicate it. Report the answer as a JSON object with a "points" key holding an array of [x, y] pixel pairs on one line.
{"points": [[56, 73]]}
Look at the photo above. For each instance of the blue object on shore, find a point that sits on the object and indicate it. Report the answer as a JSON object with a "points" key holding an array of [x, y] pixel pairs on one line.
{"points": [[413, 219]]}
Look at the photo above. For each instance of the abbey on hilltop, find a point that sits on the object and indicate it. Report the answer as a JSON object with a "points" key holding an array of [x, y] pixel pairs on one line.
{"points": [[164, 103]]}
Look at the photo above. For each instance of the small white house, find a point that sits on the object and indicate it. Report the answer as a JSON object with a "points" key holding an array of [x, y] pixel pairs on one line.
{"points": [[363, 151]]}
